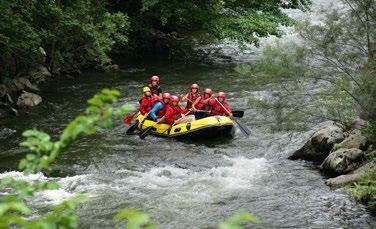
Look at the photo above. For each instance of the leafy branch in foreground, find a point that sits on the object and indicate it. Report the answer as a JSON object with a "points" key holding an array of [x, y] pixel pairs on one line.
{"points": [[44, 151], [139, 220]]}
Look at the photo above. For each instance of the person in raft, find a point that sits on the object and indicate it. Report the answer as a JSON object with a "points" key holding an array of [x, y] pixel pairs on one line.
{"points": [[160, 107], [202, 104], [146, 102], [156, 90], [175, 113], [220, 107], [193, 97]]}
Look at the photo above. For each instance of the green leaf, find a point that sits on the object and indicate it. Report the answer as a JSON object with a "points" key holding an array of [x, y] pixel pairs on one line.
{"points": [[235, 221], [135, 219]]}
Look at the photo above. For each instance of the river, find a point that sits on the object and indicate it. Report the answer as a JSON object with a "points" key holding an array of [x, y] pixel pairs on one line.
{"points": [[180, 184]]}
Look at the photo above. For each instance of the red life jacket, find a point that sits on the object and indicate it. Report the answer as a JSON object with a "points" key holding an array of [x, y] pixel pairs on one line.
{"points": [[192, 97], [202, 104], [146, 104], [217, 109], [173, 113]]}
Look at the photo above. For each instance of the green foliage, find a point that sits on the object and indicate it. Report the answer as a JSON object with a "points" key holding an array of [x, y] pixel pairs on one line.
{"points": [[44, 152], [138, 220], [135, 219], [72, 33], [241, 20], [335, 56], [235, 221], [364, 190]]}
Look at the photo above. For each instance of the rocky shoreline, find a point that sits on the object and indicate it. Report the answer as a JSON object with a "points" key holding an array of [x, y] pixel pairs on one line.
{"points": [[344, 154], [23, 92]]}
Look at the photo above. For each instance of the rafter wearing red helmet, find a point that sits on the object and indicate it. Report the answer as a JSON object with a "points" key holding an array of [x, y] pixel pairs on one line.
{"points": [[174, 112], [155, 88], [220, 107], [202, 104], [193, 97]]}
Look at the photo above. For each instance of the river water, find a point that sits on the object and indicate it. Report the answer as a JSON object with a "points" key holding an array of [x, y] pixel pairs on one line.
{"points": [[180, 184]]}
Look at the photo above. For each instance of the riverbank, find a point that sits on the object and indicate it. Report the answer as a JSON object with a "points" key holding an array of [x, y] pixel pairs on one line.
{"points": [[346, 157]]}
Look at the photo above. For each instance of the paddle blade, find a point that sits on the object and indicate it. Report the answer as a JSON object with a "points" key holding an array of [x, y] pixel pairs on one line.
{"points": [[132, 128], [243, 129], [238, 114], [146, 132], [128, 119]]}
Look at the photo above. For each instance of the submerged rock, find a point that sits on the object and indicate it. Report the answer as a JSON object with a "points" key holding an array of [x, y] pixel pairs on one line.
{"points": [[28, 99], [317, 148], [343, 161]]}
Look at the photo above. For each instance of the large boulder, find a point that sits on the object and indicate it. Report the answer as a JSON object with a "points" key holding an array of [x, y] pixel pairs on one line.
{"points": [[343, 161], [320, 144], [352, 177], [28, 99], [355, 140]]}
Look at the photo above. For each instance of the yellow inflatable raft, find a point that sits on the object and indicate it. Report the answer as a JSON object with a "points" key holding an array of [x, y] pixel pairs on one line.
{"points": [[209, 127]]}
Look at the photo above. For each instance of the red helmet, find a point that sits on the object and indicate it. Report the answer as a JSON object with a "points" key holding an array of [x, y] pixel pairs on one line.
{"points": [[212, 102], [194, 86], [155, 78], [208, 91], [174, 98], [166, 95], [221, 95]]}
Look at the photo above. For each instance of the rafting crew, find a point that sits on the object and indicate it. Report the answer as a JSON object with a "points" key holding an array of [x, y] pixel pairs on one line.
{"points": [[219, 106], [163, 107], [160, 107], [206, 96], [154, 86], [175, 113], [146, 102], [193, 97]]}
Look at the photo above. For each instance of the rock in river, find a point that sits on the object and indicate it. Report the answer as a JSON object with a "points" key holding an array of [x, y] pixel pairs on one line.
{"points": [[317, 148], [28, 99], [343, 161]]}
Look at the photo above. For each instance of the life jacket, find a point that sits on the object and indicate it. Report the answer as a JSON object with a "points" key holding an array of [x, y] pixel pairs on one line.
{"points": [[173, 113], [146, 104], [202, 104], [217, 109], [154, 90], [192, 97]]}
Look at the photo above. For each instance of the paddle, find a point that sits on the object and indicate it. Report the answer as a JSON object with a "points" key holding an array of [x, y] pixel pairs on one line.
{"points": [[238, 114], [128, 119], [242, 128], [146, 132], [132, 128]]}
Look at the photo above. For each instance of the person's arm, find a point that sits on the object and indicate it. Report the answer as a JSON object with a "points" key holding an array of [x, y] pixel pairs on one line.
{"points": [[195, 102], [228, 110], [185, 98], [142, 106]]}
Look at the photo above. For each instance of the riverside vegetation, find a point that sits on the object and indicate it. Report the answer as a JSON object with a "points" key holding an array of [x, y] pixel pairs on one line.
{"points": [[339, 57], [42, 39]]}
